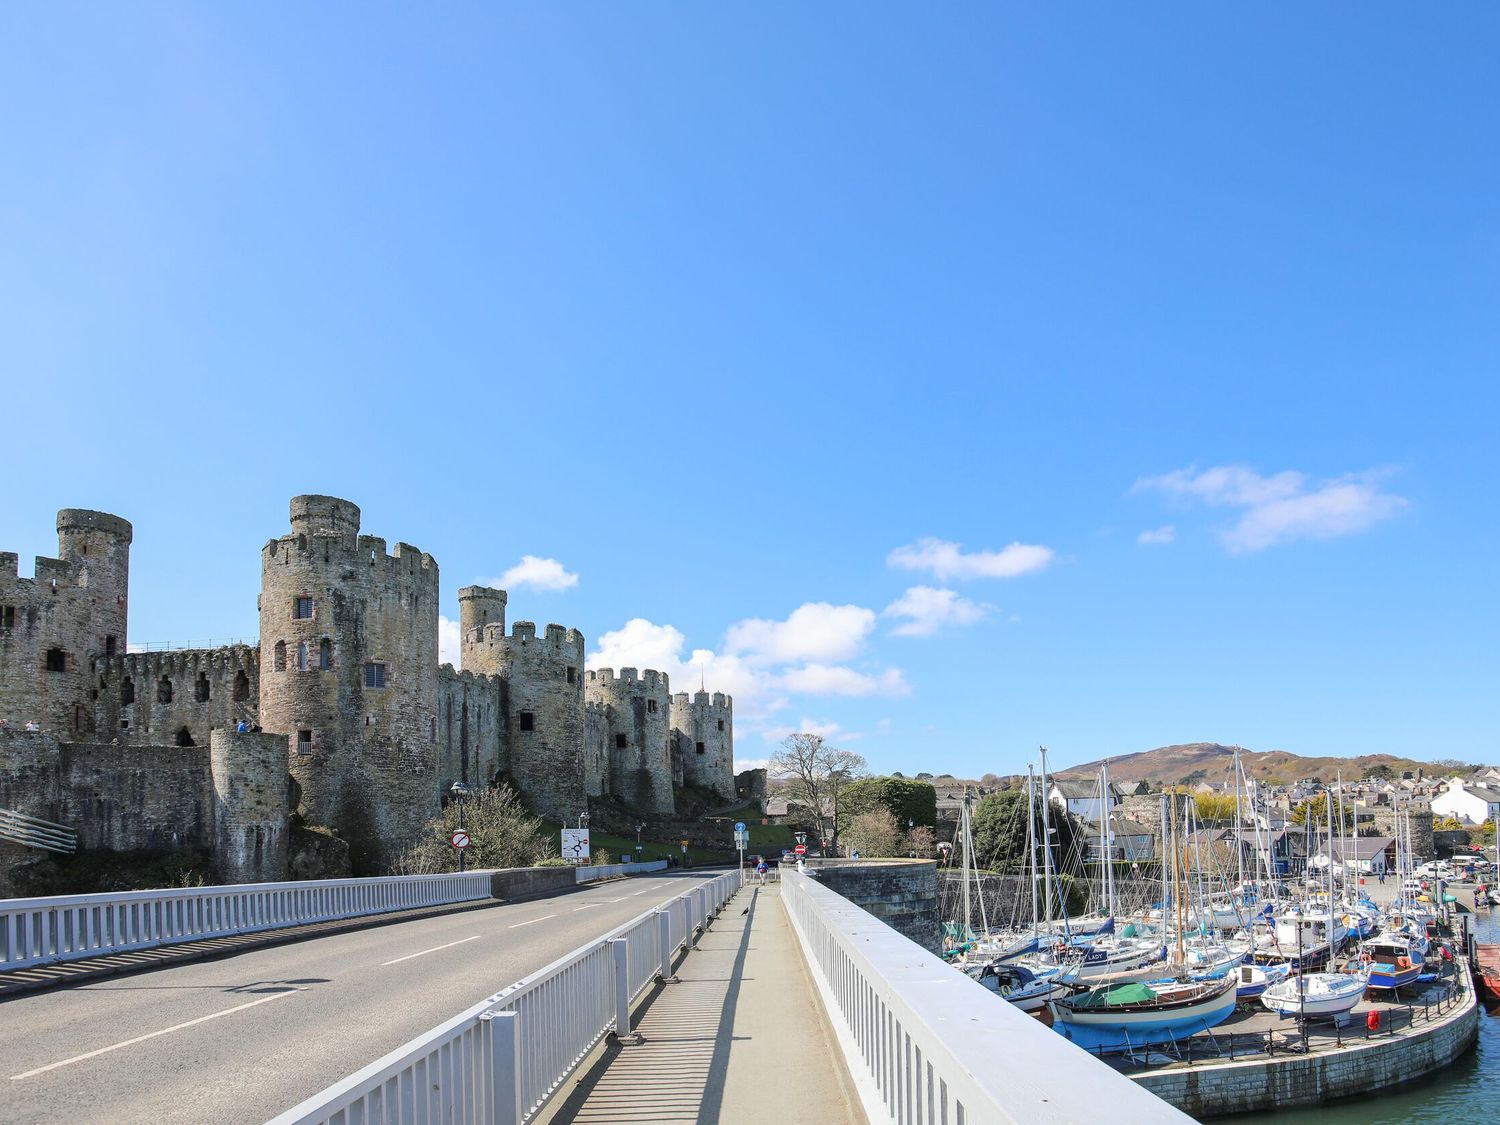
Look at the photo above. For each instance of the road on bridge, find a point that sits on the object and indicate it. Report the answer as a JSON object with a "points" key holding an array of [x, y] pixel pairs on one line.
{"points": [[243, 1038]]}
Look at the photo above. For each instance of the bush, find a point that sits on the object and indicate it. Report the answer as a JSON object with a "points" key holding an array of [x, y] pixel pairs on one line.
{"points": [[504, 834]]}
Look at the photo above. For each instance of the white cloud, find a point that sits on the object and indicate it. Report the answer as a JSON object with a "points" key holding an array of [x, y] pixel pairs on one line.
{"points": [[828, 730], [743, 764], [537, 573], [1284, 507], [947, 560], [816, 631], [448, 642], [835, 679], [640, 643], [1157, 536], [928, 609]]}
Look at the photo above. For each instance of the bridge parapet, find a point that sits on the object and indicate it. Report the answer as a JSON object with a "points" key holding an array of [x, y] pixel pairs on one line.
{"points": [[926, 1043]]}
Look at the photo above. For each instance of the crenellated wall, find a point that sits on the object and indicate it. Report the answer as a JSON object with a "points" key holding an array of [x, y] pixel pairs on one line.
{"points": [[345, 682], [176, 697]]}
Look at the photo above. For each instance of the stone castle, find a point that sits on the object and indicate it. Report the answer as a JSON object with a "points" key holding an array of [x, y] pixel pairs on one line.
{"points": [[346, 689]]}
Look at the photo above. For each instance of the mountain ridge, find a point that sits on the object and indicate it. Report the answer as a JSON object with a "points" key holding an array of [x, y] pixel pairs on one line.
{"points": [[1210, 761]]}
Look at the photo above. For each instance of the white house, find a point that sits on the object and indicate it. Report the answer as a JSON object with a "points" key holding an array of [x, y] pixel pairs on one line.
{"points": [[1081, 798], [1369, 855], [1470, 801]]}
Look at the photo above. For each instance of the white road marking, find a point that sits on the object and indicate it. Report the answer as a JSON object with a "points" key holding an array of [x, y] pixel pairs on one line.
{"points": [[643, 890], [424, 952], [154, 1034], [543, 918], [586, 906]]}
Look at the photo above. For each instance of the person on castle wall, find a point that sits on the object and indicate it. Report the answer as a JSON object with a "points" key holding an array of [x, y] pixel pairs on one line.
{"points": [[4, 724], [241, 727], [33, 726]]}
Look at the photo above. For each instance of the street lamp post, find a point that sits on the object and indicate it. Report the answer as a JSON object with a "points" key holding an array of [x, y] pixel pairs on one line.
{"points": [[460, 793], [638, 828]]}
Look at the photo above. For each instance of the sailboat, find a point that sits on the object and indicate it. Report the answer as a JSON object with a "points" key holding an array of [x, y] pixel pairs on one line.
{"points": [[1315, 994]]}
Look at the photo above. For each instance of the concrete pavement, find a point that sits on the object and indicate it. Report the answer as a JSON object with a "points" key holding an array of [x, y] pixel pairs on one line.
{"points": [[243, 1038], [740, 1037]]}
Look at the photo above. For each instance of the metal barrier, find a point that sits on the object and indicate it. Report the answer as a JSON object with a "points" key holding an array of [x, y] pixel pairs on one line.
{"points": [[501, 1060], [597, 871], [33, 832], [36, 931], [927, 1044]]}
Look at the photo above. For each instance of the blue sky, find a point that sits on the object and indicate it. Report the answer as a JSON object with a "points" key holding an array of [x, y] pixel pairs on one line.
{"points": [[949, 381]]}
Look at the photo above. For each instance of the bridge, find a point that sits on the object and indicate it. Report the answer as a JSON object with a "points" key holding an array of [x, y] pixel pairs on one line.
{"points": [[661, 997]]}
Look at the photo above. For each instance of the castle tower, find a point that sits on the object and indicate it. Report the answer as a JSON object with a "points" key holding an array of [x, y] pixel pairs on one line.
{"points": [[52, 626], [541, 712], [640, 736], [705, 726], [478, 606], [348, 673], [250, 806]]}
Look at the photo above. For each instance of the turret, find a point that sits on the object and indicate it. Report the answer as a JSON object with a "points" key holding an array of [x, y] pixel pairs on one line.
{"points": [[479, 607], [541, 692]]}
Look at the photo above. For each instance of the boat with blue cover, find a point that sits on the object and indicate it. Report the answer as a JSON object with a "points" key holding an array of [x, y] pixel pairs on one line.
{"points": [[1126, 1016]]}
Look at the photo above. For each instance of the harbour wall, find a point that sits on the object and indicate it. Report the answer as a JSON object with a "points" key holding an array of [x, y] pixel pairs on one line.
{"points": [[1359, 1067], [902, 893]]}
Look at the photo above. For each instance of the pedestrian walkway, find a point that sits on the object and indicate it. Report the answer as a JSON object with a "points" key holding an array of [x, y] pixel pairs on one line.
{"points": [[739, 1037]]}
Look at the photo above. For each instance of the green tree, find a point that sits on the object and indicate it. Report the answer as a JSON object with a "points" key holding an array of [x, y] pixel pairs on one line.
{"points": [[1000, 833], [910, 802], [1381, 772], [817, 777], [1315, 809], [1214, 806]]}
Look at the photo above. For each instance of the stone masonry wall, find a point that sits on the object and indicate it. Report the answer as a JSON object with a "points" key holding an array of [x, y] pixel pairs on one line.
{"points": [[52, 624], [176, 697], [349, 665], [706, 725], [250, 782], [116, 797], [470, 723], [902, 893], [640, 739]]}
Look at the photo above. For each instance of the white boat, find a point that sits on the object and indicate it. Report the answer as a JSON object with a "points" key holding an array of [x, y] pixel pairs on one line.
{"points": [[1315, 994], [1255, 979], [1023, 988], [1113, 962]]}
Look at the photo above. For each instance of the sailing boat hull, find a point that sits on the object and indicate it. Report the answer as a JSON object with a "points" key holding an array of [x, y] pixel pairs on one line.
{"points": [[1127, 1027]]}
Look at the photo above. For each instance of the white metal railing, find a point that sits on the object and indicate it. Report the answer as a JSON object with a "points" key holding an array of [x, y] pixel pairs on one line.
{"points": [[36, 931], [499, 1061], [926, 1044], [596, 871]]}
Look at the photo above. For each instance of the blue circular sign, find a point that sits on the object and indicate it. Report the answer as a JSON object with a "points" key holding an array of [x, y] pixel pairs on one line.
{"points": [[739, 826]]}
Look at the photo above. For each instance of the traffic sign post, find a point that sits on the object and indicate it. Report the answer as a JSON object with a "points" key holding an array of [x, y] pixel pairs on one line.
{"points": [[460, 840]]}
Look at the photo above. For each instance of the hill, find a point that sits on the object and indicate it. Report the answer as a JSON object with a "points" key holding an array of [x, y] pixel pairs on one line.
{"points": [[1210, 761]]}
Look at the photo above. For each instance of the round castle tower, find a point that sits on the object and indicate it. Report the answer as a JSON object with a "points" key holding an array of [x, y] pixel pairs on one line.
{"points": [[639, 735], [541, 703], [706, 725], [478, 606], [348, 673], [57, 623]]}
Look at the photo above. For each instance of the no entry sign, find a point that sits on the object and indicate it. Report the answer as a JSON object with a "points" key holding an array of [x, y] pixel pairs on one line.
{"points": [[801, 849], [459, 840]]}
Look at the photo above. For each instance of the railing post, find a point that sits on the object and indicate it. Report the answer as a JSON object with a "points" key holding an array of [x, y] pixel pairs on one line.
{"points": [[664, 941], [504, 1066], [619, 950]]}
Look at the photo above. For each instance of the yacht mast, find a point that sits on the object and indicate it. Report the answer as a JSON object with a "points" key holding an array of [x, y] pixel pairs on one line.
{"points": [[1031, 841]]}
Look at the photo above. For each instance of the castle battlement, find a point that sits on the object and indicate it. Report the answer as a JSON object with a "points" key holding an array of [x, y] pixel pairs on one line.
{"points": [[84, 520], [718, 701], [640, 681], [450, 674], [363, 551]]}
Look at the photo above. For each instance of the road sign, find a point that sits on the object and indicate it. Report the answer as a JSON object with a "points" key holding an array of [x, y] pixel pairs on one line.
{"points": [[801, 849], [741, 840], [739, 826], [575, 845], [459, 839]]}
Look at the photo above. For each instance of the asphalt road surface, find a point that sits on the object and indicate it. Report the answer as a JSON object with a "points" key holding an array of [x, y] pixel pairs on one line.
{"points": [[244, 1038]]}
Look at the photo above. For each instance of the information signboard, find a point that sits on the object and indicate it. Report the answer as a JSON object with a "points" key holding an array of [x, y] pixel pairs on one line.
{"points": [[575, 846]]}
